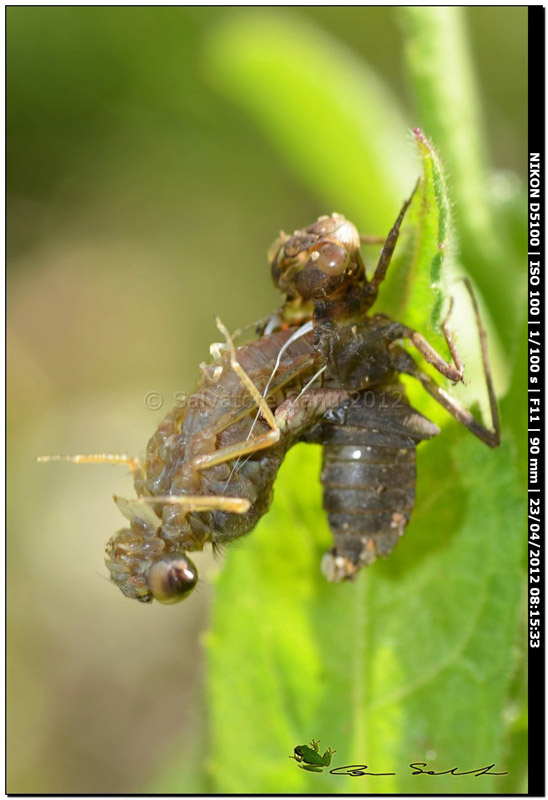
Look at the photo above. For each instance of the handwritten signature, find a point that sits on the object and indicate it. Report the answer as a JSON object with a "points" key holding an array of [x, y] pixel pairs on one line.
{"points": [[357, 770]]}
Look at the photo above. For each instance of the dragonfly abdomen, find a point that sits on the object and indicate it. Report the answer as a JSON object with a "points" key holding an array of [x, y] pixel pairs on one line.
{"points": [[368, 477]]}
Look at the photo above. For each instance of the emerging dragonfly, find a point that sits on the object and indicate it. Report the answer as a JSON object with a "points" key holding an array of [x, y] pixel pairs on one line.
{"points": [[194, 485], [369, 440], [324, 371]]}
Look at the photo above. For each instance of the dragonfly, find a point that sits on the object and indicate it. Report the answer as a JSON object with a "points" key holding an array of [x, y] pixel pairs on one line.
{"points": [[369, 441], [324, 370], [210, 467]]}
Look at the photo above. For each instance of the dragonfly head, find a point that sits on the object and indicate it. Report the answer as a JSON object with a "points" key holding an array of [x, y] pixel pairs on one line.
{"points": [[317, 261], [172, 578], [145, 565], [149, 568]]}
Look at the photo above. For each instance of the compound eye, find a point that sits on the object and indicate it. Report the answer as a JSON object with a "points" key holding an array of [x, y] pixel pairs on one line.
{"points": [[330, 258], [324, 272], [171, 579]]}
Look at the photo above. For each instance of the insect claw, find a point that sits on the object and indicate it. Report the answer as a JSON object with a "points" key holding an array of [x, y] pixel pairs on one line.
{"points": [[449, 311]]}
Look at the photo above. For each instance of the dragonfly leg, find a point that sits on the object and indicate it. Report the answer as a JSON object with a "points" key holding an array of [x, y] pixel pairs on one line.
{"points": [[101, 458], [253, 443], [452, 371], [404, 362], [390, 244], [246, 380], [451, 344], [139, 507]]}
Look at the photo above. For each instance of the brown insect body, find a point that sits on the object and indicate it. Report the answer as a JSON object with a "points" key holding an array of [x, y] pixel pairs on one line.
{"points": [[187, 435], [369, 441], [368, 472], [219, 414], [368, 476], [210, 467]]}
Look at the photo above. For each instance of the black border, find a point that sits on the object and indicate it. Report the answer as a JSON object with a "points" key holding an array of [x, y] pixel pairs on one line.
{"points": [[536, 140], [537, 656]]}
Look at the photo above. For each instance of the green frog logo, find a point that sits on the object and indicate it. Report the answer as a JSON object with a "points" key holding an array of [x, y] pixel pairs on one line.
{"points": [[310, 758]]}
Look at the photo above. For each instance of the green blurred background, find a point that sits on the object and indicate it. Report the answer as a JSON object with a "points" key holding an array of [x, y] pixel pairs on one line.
{"points": [[142, 199]]}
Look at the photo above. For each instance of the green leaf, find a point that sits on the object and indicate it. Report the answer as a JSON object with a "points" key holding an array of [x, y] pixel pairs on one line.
{"points": [[421, 285], [491, 238], [413, 661], [414, 288], [434, 217], [410, 663], [318, 113], [448, 104], [331, 118]]}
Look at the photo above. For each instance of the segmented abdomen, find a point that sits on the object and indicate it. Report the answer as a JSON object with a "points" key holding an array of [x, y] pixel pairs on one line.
{"points": [[368, 476]]}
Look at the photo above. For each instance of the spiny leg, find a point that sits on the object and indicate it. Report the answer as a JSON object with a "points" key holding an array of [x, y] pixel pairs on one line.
{"points": [[404, 362], [451, 344], [135, 508], [494, 407], [224, 454], [100, 458], [454, 372], [245, 379], [301, 331], [390, 244], [299, 364], [131, 508], [308, 327], [252, 444]]}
